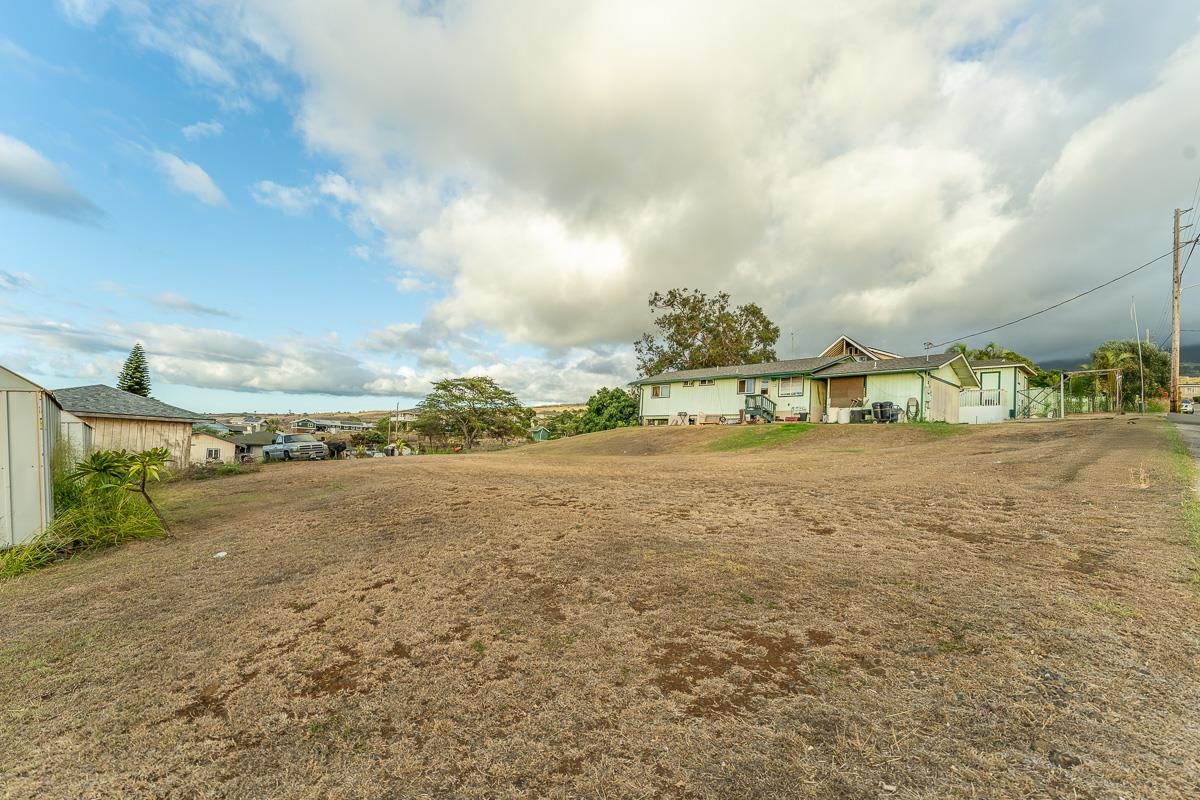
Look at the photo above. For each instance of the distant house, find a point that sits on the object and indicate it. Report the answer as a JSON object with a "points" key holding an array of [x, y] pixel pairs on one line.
{"points": [[252, 444], [124, 421], [540, 433], [211, 426], [406, 417], [209, 449], [29, 436], [307, 425]]}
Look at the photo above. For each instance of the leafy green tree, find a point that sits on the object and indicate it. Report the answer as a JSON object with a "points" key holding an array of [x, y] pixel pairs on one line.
{"points": [[472, 408], [564, 423], [1122, 354], [696, 331], [135, 375], [608, 409]]}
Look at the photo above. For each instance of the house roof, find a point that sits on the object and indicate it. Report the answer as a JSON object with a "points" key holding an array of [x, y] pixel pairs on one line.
{"points": [[878, 352], [795, 366], [261, 437], [929, 363], [99, 400], [985, 363], [11, 381]]}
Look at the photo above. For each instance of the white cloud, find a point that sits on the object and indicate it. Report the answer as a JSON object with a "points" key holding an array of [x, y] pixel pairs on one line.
{"points": [[15, 281], [177, 302], [294, 200], [190, 178], [85, 12], [361, 251], [201, 130], [900, 172], [30, 181]]}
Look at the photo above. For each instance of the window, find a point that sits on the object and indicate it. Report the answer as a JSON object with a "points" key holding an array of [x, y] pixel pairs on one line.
{"points": [[213, 454], [791, 387], [745, 386], [989, 380], [709, 382], [661, 390], [686, 384]]}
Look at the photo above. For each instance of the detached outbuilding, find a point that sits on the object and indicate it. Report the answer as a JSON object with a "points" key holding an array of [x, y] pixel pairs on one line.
{"points": [[29, 435], [125, 421]]}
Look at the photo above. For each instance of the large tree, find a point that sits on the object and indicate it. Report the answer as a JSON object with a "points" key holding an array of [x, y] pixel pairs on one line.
{"points": [[696, 331], [135, 375], [471, 408], [608, 409]]}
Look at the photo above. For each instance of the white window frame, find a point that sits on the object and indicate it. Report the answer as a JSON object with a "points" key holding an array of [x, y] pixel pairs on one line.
{"points": [[212, 454], [988, 375], [787, 386], [746, 386], [660, 391], [707, 382], [688, 384]]}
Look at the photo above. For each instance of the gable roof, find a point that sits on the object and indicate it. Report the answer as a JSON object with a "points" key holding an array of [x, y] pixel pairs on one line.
{"points": [[873, 352], [795, 366], [99, 400], [929, 363], [985, 363], [11, 381]]}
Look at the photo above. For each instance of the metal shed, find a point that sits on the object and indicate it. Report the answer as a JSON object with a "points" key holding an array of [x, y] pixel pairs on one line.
{"points": [[29, 431]]}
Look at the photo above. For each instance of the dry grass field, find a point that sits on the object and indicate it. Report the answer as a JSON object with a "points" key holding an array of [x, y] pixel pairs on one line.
{"points": [[851, 612]]}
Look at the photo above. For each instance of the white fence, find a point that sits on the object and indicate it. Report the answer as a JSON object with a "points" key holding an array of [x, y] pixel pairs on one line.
{"points": [[981, 406]]}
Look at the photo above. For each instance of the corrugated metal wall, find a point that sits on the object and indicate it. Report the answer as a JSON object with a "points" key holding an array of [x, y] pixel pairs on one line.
{"points": [[28, 433]]}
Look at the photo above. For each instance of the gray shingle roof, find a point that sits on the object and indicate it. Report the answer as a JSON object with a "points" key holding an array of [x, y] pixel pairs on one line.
{"points": [[795, 366], [102, 400], [906, 364]]}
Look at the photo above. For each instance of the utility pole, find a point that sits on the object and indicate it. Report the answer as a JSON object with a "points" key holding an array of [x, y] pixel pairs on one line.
{"points": [[1176, 291]]}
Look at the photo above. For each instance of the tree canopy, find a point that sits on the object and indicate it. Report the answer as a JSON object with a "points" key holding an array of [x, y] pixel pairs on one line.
{"points": [[135, 375], [472, 408], [608, 409], [1122, 354], [696, 331]]}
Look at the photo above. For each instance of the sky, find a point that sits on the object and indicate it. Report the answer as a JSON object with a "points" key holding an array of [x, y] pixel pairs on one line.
{"points": [[301, 206]]}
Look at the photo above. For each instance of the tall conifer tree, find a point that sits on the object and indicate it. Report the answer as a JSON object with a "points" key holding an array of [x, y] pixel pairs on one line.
{"points": [[135, 375]]}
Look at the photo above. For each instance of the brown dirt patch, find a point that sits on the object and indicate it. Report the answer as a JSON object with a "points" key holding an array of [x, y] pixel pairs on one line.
{"points": [[1003, 613]]}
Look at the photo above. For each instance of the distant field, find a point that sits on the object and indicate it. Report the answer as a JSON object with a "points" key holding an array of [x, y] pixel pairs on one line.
{"points": [[768, 612]]}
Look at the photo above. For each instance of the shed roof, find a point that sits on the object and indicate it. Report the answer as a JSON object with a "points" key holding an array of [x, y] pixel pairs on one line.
{"points": [[795, 366], [247, 439], [885, 366], [11, 381], [99, 400]]}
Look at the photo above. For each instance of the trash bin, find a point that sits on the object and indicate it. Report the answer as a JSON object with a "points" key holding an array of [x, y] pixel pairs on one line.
{"points": [[858, 415]]}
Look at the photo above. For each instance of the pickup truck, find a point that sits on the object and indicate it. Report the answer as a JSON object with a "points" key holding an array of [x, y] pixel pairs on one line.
{"points": [[288, 446]]}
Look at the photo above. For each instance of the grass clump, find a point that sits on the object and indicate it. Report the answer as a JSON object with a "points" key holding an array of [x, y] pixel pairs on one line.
{"points": [[203, 472], [760, 435], [95, 506]]}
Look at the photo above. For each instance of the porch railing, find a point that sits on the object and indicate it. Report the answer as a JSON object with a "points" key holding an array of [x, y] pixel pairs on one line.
{"points": [[983, 397]]}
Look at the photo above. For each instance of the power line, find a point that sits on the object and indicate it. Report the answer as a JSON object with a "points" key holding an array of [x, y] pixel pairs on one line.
{"points": [[1056, 305]]}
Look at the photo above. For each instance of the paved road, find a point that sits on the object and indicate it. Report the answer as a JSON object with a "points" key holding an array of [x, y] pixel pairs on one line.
{"points": [[1184, 419]]}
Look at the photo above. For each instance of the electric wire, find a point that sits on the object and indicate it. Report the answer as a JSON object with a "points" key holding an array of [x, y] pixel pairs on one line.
{"points": [[1056, 305]]}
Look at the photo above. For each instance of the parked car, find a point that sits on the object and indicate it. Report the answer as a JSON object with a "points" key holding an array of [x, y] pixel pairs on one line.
{"points": [[1186, 407], [289, 446]]}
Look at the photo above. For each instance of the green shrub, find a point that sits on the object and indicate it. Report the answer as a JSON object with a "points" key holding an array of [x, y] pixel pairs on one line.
{"points": [[95, 507]]}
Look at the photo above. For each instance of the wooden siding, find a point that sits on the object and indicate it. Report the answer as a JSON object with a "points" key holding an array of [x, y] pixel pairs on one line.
{"points": [[721, 398], [136, 435], [943, 402]]}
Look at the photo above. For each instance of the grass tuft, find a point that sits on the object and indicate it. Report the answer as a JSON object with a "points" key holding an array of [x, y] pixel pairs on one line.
{"points": [[744, 438]]}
